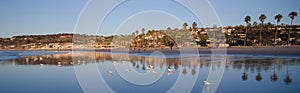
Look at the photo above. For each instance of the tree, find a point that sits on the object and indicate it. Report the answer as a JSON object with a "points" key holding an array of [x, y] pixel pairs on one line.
{"points": [[185, 25], [262, 18], [292, 15], [143, 30], [247, 20], [194, 26], [278, 18]]}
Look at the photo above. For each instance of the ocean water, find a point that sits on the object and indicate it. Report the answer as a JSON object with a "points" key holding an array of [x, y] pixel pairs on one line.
{"points": [[78, 72]]}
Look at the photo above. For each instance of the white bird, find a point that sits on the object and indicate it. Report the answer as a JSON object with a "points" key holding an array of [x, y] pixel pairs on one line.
{"points": [[59, 63], [78, 62], [41, 65], [128, 70], [115, 63], [110, 73], [169, 69], [41, 58], [206, 83], [154, 72], [149, 67]]}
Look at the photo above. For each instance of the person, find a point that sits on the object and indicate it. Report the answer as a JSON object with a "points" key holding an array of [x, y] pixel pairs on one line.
{"points": [[171, 45]]}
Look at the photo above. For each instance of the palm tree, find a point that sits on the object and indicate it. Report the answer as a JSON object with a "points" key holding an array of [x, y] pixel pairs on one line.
{"points": [[137, 38], [194, 25], [278, 18], [185, 25], [143, 30], [292, 15], [262, 18], [247, 20]]}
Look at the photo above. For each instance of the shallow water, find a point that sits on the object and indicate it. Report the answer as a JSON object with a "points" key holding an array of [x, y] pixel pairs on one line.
{"points": [[78, 72]]}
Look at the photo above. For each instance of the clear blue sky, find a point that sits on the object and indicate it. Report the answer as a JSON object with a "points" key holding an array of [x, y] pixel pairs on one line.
{"points": [[19, 17]]}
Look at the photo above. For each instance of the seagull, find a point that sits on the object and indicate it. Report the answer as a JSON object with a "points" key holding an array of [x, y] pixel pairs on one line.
{"points": [[206, 83], [154, 72], [59, 63], [169, 69], [41, 65], [115, 63], [71, 62], [128, 70], [150, 67], [41, 58], [110, 73], [78, 62]]}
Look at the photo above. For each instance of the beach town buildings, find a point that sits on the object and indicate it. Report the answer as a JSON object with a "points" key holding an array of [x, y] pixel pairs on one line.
{"points": [[185, 37]]}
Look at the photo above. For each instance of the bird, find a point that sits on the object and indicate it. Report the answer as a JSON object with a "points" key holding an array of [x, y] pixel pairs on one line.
{"points": [[41, 65], [206, 83], [78, 62], [41, 58], [150, 67], [115, 63], [169, 69], [128, 70], [110, 73], [59, 63]]}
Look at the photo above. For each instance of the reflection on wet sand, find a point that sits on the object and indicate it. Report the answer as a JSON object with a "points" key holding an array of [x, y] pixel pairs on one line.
{"points": [[248, 64]]}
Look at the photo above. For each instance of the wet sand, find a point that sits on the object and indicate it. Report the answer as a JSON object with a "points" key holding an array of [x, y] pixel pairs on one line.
{"points": [[276, 51]]}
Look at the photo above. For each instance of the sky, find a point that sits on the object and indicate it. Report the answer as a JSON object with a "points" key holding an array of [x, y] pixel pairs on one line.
{"points": [[33, 17]]}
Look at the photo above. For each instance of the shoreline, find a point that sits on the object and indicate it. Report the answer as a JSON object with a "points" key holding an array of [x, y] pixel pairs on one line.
{"points": [[252, 50]]}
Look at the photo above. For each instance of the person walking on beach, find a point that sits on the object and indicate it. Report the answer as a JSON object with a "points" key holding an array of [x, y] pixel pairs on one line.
{"points": [[171, 45]]}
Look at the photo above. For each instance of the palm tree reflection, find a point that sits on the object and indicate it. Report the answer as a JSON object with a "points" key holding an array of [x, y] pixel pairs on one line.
{"points": [[245, 75], [287, 79], [274, 76], [258, 76]]}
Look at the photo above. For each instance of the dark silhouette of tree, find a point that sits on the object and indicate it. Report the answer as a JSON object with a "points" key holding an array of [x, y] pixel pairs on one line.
{"points": [[262, 18], [292, 15], [194, 28], [278, 18], [245, 75], [247, 20]]}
